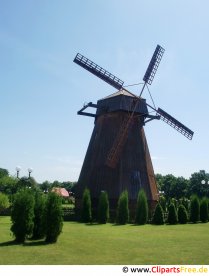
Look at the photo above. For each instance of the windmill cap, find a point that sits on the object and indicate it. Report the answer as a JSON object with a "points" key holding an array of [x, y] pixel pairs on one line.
{"points": [[122, 100], [123, 92]]}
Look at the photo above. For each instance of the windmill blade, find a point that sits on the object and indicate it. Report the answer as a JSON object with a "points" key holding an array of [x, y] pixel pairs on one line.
{"points": [[153, 65], [98, 71], [188, 133]]}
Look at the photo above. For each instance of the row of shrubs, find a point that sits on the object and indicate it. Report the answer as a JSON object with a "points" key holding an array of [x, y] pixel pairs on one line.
{"points": [[36, 216], [197, 210], [122, 213]]}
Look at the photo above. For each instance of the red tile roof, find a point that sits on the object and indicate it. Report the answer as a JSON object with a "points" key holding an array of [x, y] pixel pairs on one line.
{"points": [[61, 191]]}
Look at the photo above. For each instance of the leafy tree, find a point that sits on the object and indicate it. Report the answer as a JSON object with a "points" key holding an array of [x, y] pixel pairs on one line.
{"points": [[4, 201], [182, 214], [173, 187], [53, 217], [3, 173], [22, 215], [103, 208], [159, 179], [158, 215], [45, 186], [195, 209], [180, 188], [56, 184], [86, 215], [142, 208], [196, 187], [8, 185], [73, 188], [39, 216], [122, 209], [168, 182], [25, 182], [172, 214], [204, 210]]}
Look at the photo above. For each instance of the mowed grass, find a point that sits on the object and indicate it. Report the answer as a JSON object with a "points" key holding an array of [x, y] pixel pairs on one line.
{"points": [[81, 244]]}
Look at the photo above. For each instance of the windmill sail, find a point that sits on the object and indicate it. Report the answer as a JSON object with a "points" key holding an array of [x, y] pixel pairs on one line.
{"points": [[153, 65], [188, 133], [98, 71]]}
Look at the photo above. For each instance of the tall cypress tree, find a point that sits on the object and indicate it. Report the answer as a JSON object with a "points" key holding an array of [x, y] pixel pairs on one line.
{"points": [[22, 215], [39, 216], [122, 209], [103, 208], [182, 214], [204, 210], [54, 217], [86, 214], [158, 215], [195, 209], [142, 208], [172, 214]]}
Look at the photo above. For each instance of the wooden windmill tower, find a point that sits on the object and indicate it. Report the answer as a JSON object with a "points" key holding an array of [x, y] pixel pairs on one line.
{"points": [[118, 157]]}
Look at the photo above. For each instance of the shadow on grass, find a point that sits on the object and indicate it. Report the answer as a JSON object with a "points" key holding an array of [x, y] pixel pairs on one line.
{"points": [[27, 243], [9, 243], [93, 224], [102, 224], [117, 224]]}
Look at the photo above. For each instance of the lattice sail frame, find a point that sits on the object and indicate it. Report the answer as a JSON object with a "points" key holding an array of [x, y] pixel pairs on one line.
{"points": [[98, 71], [153, 65], [188, 133]]}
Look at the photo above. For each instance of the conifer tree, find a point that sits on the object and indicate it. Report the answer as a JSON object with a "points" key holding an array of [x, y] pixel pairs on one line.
{"points": [[122, 209], [103, 208], [86, 214], [22, 215], [195, 209], [172, 214], [204, 210], [158, 215], [54, 217], [182, 214], [142, 208], [39, 216]]}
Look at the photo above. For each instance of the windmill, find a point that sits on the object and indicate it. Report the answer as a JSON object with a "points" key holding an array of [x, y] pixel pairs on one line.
{"points": [[118, 157]]}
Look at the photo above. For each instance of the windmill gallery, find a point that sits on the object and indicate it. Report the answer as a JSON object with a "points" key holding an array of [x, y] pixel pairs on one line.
{"points": [[118, 157]]}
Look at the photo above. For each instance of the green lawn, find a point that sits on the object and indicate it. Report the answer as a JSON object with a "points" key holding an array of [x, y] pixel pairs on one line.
{"points": [[110, 244]]}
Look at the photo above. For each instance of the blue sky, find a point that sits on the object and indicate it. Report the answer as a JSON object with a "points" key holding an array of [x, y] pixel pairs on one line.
{"points": [[41, 89]]}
